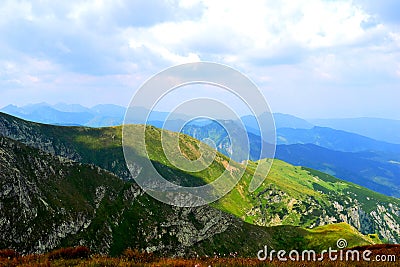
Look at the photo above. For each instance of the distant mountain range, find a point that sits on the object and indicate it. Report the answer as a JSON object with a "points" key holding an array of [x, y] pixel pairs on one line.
{"points": [[66, 114], [376, 128], [112, 115], [333, 139], [64, 186], [281, 121]]}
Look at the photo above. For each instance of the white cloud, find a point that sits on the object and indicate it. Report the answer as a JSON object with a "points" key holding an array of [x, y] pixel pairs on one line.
{"points": [[280, 44]]}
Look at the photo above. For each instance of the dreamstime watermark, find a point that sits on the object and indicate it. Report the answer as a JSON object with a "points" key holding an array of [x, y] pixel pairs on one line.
{"points": [[199, 105], [328, 254]]}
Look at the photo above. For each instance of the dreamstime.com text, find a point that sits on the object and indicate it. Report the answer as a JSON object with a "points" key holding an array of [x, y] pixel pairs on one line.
{"points": [[329, 254]]}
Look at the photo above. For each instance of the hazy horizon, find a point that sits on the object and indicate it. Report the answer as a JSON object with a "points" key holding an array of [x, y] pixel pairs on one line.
{"points": [[167, 111]]}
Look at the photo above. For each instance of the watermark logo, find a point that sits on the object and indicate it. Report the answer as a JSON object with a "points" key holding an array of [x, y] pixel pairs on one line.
{"points": [[199, 105], [341, 243], [330, 254]]}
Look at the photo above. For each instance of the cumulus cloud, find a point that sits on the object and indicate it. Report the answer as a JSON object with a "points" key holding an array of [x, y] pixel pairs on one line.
{"points": [[56, 49]]}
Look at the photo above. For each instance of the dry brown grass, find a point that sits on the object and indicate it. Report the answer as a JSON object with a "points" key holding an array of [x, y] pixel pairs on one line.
{"points": [[69, 253], [80, 256]]}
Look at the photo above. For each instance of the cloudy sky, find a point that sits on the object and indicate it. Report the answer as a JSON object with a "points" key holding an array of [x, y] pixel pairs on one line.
{"points": [[311, 58]]}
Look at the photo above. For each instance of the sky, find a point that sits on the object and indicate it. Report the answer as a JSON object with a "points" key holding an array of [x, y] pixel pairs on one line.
{"points": [[310, 58]]}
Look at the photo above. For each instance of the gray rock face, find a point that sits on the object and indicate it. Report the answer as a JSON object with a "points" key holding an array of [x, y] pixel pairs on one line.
{"points": [[34, 219], [24, 203], [47, 202], [277, 207], [31, 134]]}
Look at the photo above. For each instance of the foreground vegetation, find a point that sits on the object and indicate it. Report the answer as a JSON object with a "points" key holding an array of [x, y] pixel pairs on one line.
{"points": [[81, 256]]}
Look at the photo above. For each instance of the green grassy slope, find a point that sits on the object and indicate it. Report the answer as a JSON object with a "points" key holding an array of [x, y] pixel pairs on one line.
{"points": [[55, 202], [290, 195], [298, 194], [49, 202]]}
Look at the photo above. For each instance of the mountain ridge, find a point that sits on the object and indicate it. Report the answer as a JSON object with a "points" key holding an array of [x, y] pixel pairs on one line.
{"points": [[377, 128], [102, 146], [49, 202], [333, 139]]}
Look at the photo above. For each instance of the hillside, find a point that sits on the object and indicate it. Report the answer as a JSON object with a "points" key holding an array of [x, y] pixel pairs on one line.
{"points": [[49, 202], [306, 197], [368, 169], [289, 195], [373, 164]]}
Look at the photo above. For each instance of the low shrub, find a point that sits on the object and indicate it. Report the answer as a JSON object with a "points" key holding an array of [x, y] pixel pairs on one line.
{"points": [[8, 254], [70, 253]]}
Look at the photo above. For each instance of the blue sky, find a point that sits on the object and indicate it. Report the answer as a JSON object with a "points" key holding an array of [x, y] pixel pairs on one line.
{"points": [[311, 58]]}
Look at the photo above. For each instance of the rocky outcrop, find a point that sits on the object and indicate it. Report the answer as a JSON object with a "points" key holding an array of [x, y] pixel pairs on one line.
{"points": [[47, 202], [277, 207], [33, 134]]}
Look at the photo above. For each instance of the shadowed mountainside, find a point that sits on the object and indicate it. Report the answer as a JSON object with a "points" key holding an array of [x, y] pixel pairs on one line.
{"points": [[289, 195]]}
